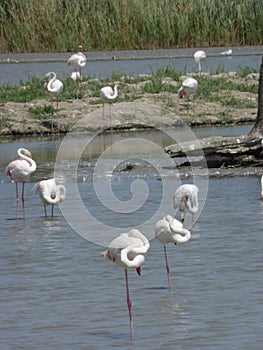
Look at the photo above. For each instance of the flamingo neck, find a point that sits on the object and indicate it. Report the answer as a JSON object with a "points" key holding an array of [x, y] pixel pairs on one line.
{"points": [[26, 155], [51, 81]]}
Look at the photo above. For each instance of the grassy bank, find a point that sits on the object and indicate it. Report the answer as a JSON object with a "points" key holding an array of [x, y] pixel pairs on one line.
{"points": [[222, 98], [55, 25]]}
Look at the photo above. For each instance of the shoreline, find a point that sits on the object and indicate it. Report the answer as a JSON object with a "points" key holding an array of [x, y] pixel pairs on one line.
{"points": [[162, 109]]}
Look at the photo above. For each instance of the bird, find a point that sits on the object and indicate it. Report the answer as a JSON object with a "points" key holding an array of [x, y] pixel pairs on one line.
{"points": [[188, 87], [127, 251], [19, 170], [54, 86], [186, 196], [107, 94], [51, 191], [227, 53], [77, 61], [77, 78], [170, 230], [198, 57]]}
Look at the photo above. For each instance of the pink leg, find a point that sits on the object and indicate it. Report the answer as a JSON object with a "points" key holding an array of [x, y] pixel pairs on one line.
{"points": [[167, 267], [23, 194], [17, 197], [129, 304]]}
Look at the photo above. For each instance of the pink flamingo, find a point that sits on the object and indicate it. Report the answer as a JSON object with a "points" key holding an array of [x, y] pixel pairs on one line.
{"points": [[51, 192], [170, 230], [126, 250], [20, 169]]}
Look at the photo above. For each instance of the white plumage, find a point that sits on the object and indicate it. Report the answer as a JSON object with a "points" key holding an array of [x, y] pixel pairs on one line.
{"points": [[186, 197]]}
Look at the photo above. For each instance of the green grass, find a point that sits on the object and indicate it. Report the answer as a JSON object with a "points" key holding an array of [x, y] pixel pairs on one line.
{"points": [[54, 25]]}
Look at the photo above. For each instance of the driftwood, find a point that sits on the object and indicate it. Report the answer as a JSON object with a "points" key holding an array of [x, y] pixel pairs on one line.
{"points": [[219, 151]]}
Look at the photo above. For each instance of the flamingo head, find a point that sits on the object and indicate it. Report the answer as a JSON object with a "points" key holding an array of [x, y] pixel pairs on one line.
{"points": [[138, 269]]}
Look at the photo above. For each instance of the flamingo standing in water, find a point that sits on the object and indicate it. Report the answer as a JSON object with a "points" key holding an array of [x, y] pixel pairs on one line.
{"points": [[54, 86], [186, 196], [20, 169], [51, 192], [198, 57], [126, 250], [107, 95], [170, 230]]}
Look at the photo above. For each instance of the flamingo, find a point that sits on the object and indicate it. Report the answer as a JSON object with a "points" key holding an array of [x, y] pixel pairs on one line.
{"points": [[20, 169], [51, 192], [170, 230], [107, 95], [77, 78], [198, 57], [54, 86], [77, 61], [186, 196], [188, 87], [126, 250]]}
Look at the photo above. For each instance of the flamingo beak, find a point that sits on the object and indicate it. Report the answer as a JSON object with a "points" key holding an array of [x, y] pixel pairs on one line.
{"points": [[138, 269]]}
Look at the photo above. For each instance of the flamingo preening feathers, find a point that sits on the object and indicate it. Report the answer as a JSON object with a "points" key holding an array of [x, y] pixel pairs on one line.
{"points": [[186, 197], [170, 230], [127, 251], [51, 192]]}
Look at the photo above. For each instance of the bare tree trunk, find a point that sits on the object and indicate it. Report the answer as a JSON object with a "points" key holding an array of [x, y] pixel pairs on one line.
{"points": [[258, 126]]}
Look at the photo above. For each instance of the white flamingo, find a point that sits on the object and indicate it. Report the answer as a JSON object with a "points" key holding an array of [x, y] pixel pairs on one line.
{"points": [[186, 196], [170, 230], [107, 94], [19, 170], [77, 78], [188, 87], [198, 57], [77, 61], [54, 86], [126, 250], [51, 192]]}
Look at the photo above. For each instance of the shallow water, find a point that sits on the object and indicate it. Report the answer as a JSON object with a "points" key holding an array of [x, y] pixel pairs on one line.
{"points": [[22, 67], [59, 293]]}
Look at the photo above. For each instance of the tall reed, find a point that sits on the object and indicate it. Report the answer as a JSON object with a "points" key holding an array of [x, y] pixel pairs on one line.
{"points": [[61, 25]]}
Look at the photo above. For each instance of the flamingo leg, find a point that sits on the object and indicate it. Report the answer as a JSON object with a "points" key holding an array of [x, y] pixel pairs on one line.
{"points": [[129, 304], [167, 267], [23, 194], [45, 209], [17, 197]]}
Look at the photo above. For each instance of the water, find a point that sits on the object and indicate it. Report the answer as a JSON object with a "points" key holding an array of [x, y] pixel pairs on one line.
{"points": [[21, 67], [57, 292]]}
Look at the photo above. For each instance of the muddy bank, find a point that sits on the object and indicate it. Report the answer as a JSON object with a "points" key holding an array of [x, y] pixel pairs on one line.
{"points": [[18, 119]]}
